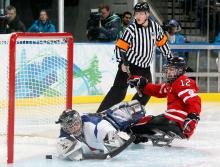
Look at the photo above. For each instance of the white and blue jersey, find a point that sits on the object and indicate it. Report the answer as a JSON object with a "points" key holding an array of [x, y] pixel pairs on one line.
{"points": [[95, 129]]}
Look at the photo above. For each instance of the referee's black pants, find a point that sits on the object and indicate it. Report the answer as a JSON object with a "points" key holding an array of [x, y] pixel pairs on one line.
{"points": [[118, 91]]}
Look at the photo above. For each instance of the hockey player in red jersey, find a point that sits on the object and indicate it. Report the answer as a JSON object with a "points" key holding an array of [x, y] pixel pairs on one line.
{"points": [[183, 103]]}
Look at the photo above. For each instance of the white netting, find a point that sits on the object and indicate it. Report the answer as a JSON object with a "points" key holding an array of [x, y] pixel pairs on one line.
{"points": [[41, 74], [41, 83]]}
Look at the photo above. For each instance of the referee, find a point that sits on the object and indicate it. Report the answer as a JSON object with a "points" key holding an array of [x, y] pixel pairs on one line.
{"points": [[138, 43]]}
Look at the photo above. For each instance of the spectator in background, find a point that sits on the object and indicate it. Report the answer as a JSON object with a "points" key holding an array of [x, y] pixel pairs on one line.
{"points": [[104, 28], [43, 24], [174, 37], [13, 23], [217, 42], [173, 29], [217, 39], [126, 19]]}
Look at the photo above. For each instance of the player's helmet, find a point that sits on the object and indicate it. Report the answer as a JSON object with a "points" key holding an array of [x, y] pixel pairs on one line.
{"points": [[175, 67], [141, 6], [71, 122], [174, 23]]}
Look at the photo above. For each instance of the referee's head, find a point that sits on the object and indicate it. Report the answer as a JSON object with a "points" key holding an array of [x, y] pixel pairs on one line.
{"points": [[141, 13]]}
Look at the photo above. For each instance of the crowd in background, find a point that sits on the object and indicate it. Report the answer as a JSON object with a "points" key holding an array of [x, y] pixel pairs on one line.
{"points": [[12, 22], [106, 26], [102, 25]]}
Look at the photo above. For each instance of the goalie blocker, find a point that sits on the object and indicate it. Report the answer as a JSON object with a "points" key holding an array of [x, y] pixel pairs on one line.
{"points": [[123, 115]]}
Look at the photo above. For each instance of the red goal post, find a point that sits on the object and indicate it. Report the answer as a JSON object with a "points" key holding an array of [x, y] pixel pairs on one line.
{"points": [[12, 78]]}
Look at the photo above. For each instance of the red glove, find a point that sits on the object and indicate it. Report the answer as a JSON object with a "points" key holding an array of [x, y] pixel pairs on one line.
{"points": [[190, 123], [137, 81]]}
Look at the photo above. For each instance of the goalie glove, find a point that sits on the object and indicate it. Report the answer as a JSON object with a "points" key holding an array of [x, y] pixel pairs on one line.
{"points": [[190, 123], [137, 81], [69, 148], [115, 139]]}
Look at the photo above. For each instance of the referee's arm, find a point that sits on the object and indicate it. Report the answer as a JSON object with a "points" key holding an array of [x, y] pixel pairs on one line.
{"points": [[123, 44], [161, 43]]}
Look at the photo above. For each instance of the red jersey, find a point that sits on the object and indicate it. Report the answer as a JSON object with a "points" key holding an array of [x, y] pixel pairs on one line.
{"points": [[182, 97]]}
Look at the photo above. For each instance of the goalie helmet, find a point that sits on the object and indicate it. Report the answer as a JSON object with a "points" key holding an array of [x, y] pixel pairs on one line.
{"points": [[141, 6], [71, 122], [174, 68]]}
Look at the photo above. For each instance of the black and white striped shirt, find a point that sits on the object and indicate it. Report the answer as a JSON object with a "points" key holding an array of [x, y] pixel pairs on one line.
{"points": [[139, 43]]}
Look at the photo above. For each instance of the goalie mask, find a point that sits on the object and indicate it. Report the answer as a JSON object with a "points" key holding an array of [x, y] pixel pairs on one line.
{"points": [[174, 68], [71, 122]]}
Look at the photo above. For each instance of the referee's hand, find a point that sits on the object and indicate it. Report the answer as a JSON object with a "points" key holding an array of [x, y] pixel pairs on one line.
{"points": [[137, 81]]}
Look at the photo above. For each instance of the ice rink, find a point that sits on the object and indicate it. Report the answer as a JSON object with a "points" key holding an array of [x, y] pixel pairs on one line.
{"points": [[202, 150]]}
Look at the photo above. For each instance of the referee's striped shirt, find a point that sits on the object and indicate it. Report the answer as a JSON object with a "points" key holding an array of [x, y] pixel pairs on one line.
{"points": [[139, 43]]}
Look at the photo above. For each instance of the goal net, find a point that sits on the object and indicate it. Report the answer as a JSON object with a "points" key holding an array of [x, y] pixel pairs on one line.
{"points": [[36, 86]]}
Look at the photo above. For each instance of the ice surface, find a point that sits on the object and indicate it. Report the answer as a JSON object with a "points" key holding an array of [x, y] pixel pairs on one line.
{"points": [[202, 150]]}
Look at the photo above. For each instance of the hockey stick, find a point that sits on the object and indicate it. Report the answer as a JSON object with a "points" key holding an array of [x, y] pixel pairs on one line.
{"points": [[125, 62], [113, 153]]}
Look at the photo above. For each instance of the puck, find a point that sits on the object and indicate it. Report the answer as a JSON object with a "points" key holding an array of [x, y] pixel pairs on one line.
{"points": [[49, 157]]}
